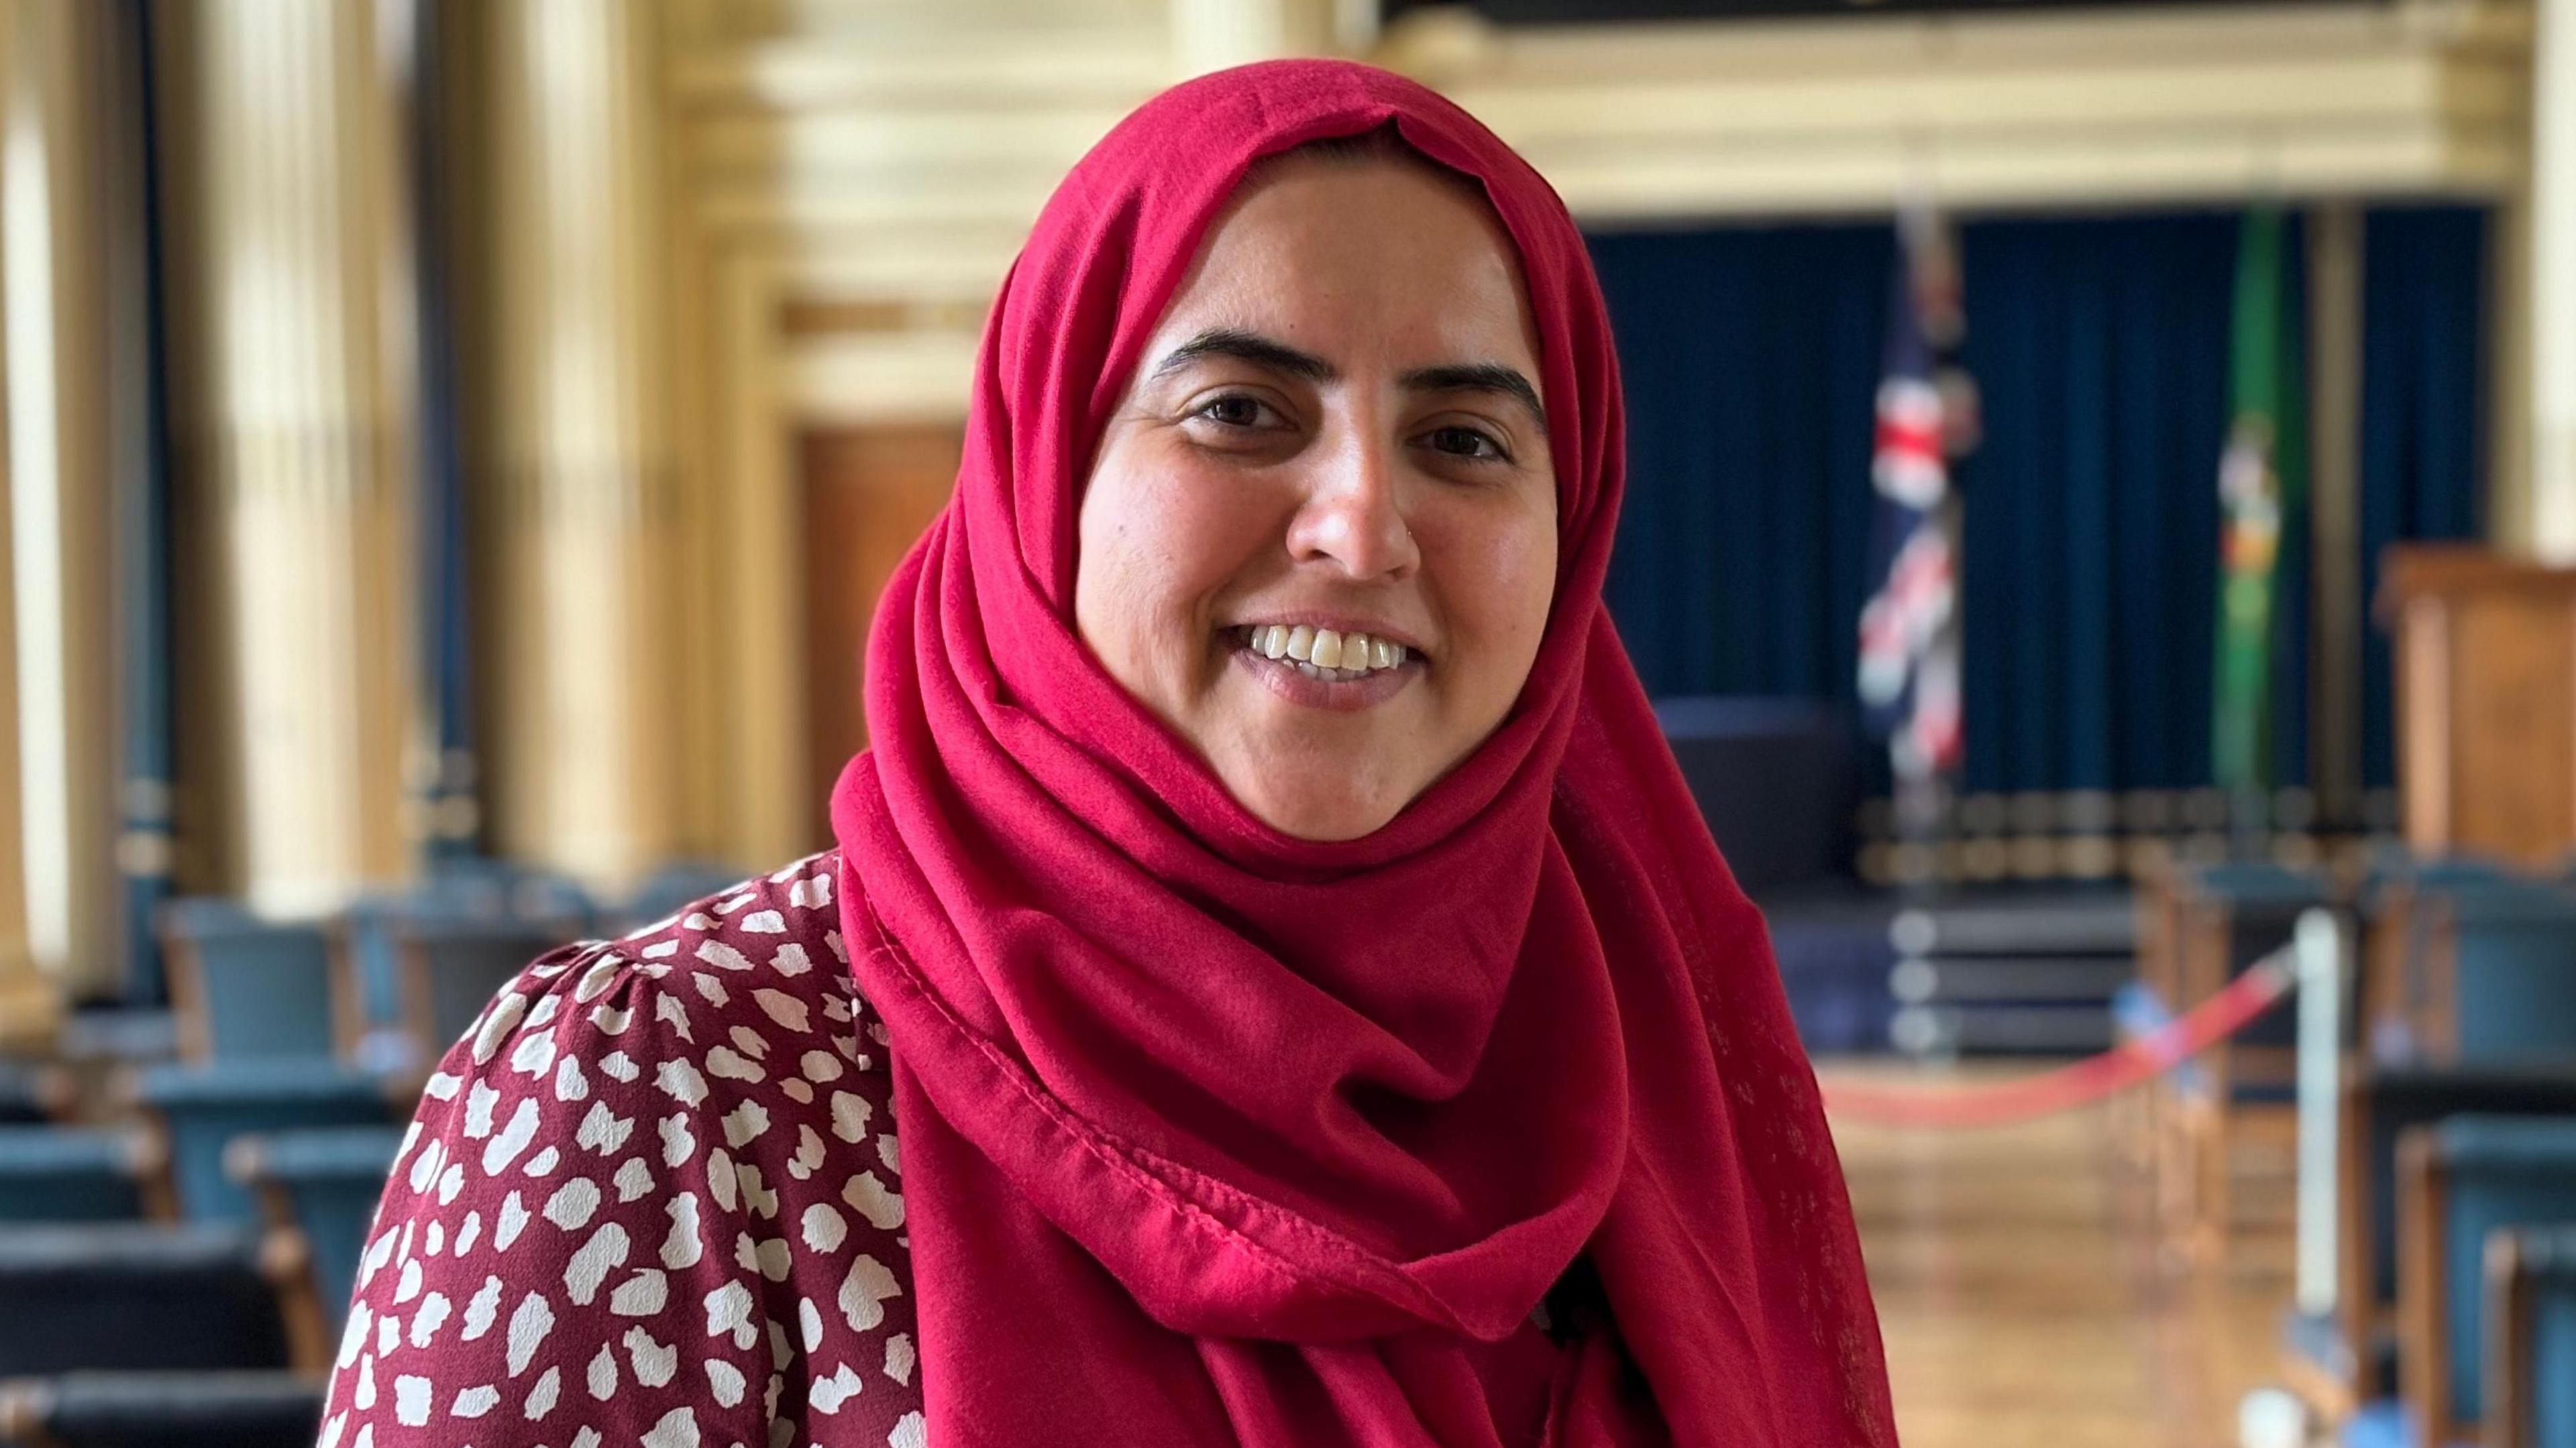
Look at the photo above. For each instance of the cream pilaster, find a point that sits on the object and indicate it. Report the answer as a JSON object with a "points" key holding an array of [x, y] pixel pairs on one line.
{"points": [[57, 878], [585, 763], [295, 441]]}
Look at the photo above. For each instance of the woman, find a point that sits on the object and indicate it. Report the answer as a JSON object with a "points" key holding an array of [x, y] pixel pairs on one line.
{"points": [[1314, 1010]]}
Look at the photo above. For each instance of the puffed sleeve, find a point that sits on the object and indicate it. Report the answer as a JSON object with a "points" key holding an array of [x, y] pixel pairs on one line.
{"points": [[555, 1258]]}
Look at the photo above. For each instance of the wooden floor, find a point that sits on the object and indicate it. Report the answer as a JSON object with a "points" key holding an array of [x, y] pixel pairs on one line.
{"points": [[2025, 1300]]}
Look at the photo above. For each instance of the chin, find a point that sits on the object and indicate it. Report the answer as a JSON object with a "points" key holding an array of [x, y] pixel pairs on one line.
{"points": [[1323, 818]]}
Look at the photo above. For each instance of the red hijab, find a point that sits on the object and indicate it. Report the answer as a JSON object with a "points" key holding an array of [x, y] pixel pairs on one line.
{"points": [[1216, 1135]]}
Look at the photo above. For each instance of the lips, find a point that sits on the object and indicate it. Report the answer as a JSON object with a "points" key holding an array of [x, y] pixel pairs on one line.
{"points": [[1301, 681]]}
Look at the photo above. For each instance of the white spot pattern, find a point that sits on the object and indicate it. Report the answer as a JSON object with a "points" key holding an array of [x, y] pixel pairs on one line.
{"points": [[707, 1162]]}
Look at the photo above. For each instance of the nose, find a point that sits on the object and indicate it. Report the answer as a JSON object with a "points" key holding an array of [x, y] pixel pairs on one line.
{"points": [[1352, 516]]}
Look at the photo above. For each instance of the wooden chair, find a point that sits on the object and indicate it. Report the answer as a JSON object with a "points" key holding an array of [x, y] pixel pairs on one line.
{"points": [[2139, 1118], [2393, 897], [2500, 975], [31, 1095], [449, 970], [77, 1174], [198, 1111], [2352, 1360], [322, 1184], [2530, 1371], [470, 910], [224, 1409], [2220, 921], [2457, 1182], [153, 1297], [2168, 1118]]}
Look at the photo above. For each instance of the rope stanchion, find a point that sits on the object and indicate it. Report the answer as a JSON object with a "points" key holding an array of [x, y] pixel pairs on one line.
{"points": [[2129, 1064]]}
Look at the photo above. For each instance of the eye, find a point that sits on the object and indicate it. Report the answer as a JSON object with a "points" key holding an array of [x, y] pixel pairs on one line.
{"points": [[1238, 411], [1469, 443]]}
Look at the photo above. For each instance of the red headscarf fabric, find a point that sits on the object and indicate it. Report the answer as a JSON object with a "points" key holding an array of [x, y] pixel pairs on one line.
{"points": [[1216, 1135]]}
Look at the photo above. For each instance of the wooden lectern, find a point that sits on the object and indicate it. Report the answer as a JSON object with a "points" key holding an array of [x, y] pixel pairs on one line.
{"points": [[2486, 701]]}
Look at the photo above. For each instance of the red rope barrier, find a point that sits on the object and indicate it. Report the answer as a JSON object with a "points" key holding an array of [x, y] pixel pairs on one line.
{"points": [[2128, 1064]]}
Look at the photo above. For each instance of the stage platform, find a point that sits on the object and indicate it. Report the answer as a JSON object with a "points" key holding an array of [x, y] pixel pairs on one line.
{"points": [[2002, 970]]}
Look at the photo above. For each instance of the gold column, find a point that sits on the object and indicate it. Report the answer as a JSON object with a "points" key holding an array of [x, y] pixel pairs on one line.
{"points": [[584, 756], [295, 456], [57, 877]]}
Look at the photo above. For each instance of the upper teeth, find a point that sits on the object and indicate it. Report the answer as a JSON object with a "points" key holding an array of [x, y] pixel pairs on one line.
{"points": [[1334, 655]]}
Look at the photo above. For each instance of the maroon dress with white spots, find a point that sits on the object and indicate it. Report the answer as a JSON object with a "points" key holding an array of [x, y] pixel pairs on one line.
{"points": [[652, 1197]]}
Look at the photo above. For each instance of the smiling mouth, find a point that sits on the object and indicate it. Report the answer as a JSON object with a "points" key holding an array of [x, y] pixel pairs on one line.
{"points": [[1324, 654]]}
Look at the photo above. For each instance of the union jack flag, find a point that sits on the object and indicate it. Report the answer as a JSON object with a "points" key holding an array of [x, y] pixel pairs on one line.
{"points": [[1927, 418]]}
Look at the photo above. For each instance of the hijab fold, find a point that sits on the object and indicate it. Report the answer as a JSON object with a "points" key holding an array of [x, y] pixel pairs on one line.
{"points": [[1215, 1135]]}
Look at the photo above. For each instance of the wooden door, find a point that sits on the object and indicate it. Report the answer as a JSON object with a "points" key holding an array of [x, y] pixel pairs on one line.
{"points": [[869, 492]]}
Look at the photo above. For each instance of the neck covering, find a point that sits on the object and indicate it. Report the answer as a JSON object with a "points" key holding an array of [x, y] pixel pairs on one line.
{"points": [[1215, 1135]]}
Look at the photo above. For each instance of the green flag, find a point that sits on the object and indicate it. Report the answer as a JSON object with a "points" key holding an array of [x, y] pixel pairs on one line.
{"points": [[2261, 486]]}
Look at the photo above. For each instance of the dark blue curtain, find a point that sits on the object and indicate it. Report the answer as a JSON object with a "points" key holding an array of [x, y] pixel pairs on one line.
{"points": [[1751, 363], [2423, 413], [2090, 547], [2091, 540]]}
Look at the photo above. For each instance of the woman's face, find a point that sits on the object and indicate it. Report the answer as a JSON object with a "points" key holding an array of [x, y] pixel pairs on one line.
{"points": [[1335, 431]]}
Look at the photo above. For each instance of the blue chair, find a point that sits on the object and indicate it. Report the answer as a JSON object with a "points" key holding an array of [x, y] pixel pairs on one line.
{"points": [[451, 969], [118, 1036], [322, 1184], [2393, 864], [199, 1110], [142, 1297], [30, 1095], [243, 986], [68, 1174], [395, 1031], [222, 1409], [2354, 1358], [2530, 1381], [2215, 921], [673, 888], [2503, 975], [2458, 1182], [2395, 895]]}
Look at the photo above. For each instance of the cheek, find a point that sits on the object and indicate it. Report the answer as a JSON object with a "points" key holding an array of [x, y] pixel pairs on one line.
{"points": [[1158, 544], [1508, 573]]}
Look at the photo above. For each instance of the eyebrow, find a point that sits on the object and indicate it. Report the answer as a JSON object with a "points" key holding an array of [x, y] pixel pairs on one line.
{"points": [[1260, 351]]}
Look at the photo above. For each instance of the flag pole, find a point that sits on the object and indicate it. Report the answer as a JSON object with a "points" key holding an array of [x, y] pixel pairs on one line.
{"points": [[1909, 668]]}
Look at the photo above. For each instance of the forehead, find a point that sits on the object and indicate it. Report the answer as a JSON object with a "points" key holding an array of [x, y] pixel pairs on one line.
{"points": [[1362, 261]]}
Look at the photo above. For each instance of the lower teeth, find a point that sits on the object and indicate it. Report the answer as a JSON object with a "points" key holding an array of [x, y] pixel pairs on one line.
{"points": [[1329, 676]]}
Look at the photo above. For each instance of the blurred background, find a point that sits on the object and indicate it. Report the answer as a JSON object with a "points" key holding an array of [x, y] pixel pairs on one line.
{"points": [[2101, 528]]}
